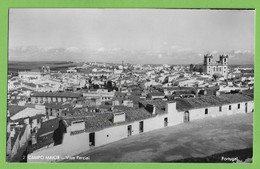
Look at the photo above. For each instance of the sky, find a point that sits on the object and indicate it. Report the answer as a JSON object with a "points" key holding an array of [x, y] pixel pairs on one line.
{"points": [[152, 35]]}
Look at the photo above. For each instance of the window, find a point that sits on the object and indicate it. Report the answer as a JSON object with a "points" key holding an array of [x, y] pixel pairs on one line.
{"points": [[220, 108], [229, 107], [206, 111], [238, 106]]}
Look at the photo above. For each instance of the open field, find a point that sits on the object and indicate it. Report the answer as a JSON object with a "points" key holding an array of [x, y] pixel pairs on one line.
{"points": [[15, 66], [201, 138]]}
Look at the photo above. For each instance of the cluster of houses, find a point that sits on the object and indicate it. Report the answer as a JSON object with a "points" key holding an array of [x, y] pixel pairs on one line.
{"points": [[99, 103]]}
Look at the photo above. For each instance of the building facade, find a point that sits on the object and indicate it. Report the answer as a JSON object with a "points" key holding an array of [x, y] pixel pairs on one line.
{"points": [[104, 128], [212, 67]]}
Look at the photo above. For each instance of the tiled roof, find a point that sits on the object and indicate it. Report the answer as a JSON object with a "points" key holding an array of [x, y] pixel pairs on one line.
{"points": [[21, 120], [24, 89], [122, 108], [19, 131], [13, 109], [30, 84], [177, 88], [120, 94], [16, 83], [156, 94], [97, 121], [159, 104], [41, 142], [183, 92], [210, 100], [56, 94], [102, 120], [49, 126], [104, 106], [248, 93], [57, 105]]}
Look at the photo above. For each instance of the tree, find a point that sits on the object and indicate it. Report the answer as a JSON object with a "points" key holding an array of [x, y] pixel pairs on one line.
{"points": [[195, 69], [216, 76], [95, 86], [90, 81], [109, 84], [200, 70]]}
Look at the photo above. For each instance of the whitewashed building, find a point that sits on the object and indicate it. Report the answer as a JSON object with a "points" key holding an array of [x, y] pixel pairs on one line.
{"points": [[103, 128]]}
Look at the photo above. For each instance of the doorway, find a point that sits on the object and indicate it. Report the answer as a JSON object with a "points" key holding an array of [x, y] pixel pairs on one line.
{"points": [[129, 130], [91, 139], [246, 107], [165, 122], [186, 116], [141, 126]]}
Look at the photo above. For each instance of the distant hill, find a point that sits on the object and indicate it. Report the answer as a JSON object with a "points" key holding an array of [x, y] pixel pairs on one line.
{"points": [[166, 56], [15, 66]]}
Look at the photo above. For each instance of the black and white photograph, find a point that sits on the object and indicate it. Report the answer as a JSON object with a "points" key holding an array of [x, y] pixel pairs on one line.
{"points": [[130, 85]]}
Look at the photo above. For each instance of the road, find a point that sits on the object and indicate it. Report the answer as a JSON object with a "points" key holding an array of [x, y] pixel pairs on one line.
{"points": [[195, 139]]}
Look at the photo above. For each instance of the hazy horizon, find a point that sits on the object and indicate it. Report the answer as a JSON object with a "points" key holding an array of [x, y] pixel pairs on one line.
{"points": [[161, 36]]}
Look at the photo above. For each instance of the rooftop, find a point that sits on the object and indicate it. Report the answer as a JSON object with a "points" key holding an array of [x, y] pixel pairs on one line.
{"points": [[14, 109], [55, 94], [48, 126], [57, 105], [102, 120], [210, 100]]}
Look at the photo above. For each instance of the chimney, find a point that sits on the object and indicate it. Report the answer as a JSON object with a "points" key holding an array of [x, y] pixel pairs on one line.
{"points": [[140, 105], [26, 121], [197, 93], [217, 93], [12, 133], [151, 108], [221, 87], [171, 107], [118, 117], [34, 140], [112, 108]]}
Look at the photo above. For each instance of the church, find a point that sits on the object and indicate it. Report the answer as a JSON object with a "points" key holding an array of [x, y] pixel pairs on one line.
{"points": [[212, 67]]}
